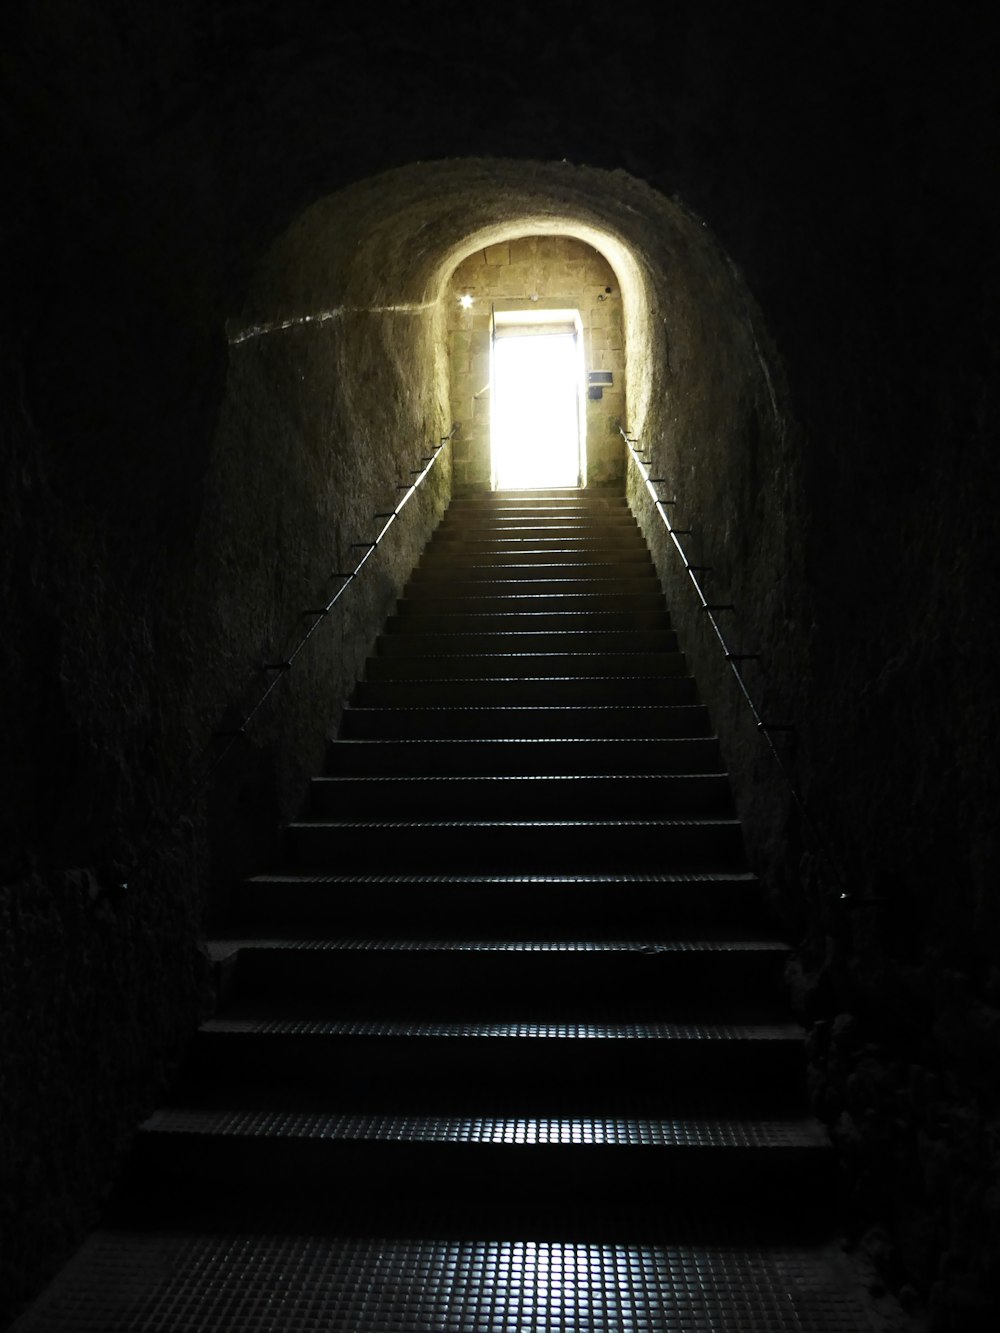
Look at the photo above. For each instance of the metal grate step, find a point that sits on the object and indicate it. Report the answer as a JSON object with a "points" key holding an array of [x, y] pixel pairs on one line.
{"points": [[522, 796], [462, 976], [511, 620], [479, 882], [249, 1281], [517, 1161], [559, 904], [491, 665], [559, 1061], [444, 946], [454, 584], [567, 756], [568, 1131], [527, 690], [547, 543], [526, 721], [496, 1031], [526, 641], [525, 573], [581, 555], [428, 603], [453, 845]]}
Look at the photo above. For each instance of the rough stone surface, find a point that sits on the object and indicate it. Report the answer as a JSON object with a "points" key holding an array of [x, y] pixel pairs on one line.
{"points": [[165, 170]]}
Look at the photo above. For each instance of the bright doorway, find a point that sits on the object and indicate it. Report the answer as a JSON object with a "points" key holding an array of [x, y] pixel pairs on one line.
{"points": [[537, 410]]}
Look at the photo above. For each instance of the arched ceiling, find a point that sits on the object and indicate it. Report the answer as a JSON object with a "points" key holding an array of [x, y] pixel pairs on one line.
{"points": [[386, 247]]}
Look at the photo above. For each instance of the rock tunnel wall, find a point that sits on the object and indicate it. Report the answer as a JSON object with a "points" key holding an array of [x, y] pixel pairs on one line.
{"points": [[146, 593], [844, 160]]}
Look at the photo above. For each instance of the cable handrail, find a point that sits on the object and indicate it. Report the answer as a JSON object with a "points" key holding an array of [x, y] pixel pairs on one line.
{"points": [[766, 729], [320, 614], [278, 670]]}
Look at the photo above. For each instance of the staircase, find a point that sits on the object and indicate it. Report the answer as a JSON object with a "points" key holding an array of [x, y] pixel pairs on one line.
{"points": [[504, 1047]]}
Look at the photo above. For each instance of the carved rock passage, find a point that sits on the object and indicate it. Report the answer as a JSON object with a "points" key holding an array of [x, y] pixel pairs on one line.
{"points": [[845, 159], [511, 1002]]}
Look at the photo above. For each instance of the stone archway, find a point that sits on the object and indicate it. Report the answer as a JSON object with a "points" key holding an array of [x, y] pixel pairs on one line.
{"points": [[366, 277]]}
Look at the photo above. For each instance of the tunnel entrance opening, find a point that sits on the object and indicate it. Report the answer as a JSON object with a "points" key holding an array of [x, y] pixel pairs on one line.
{"points": [[536, 419]]}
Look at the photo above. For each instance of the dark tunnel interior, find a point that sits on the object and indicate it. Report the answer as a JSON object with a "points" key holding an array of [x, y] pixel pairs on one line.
{"points": [[229, 238]]}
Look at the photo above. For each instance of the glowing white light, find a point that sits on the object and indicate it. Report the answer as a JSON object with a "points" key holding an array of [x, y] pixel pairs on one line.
{"points": [[536, 432], [466, 302]]}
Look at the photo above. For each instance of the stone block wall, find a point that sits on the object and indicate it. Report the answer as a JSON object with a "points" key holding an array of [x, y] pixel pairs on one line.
{"points": [[560, 272]]}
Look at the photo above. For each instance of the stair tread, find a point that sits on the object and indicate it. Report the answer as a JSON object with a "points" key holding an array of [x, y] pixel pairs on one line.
{"points": [[235, 1024], [297, 940], [552, 720], [641, 656], [693, 822], [413, 1282], [528, 600], [579, 880], [635, 665], [496, 742], [497, 549], [662, 687], [496, 577], [449, 779], [502, 709], [441, 564], [448, 637], [565, 618], [556, 529], [576, 1131], [528, 680], [456, 643]]}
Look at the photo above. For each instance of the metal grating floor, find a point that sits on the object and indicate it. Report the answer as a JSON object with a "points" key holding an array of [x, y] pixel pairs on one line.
{"points": [[351, 1027], [383, 944], [505, 825], [572, 881], [405, 780], [272, 1283], [274, 1123]]}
